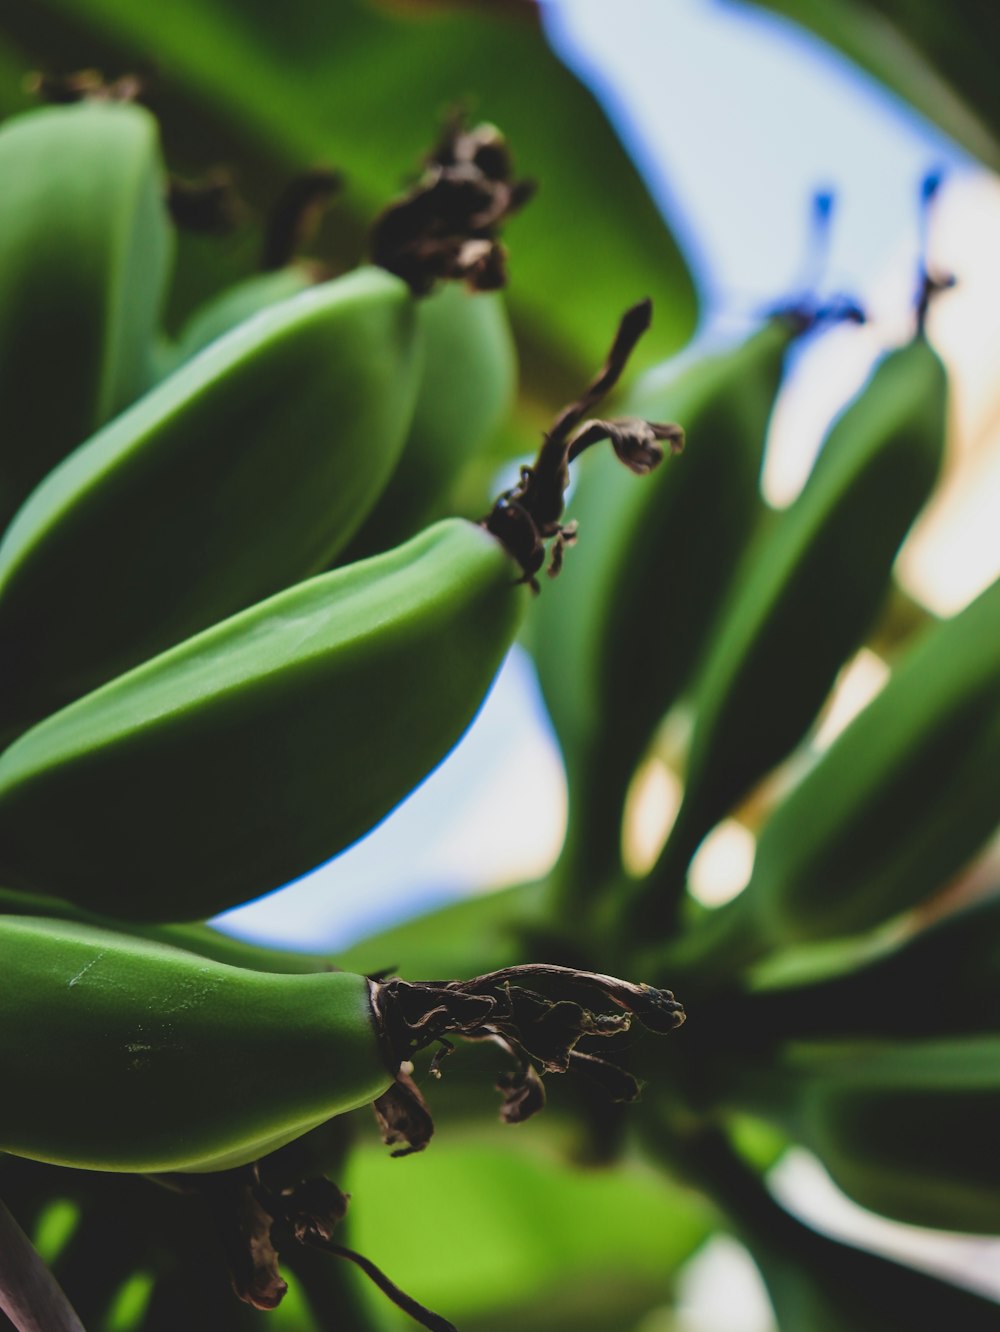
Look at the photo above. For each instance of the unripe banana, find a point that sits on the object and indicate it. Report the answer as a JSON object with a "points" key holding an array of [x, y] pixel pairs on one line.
{"points": [[240, 474], [809, 591], [265, 745], [85, 248], [902, 799], [907, 1129], [171, 1062], [467, 387], [616, 647], [900, 802], [168, 1061]]}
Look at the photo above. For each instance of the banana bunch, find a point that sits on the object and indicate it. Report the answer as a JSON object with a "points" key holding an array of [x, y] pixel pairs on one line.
{"points": [[618, 645], [240, 474], [230, 644], [178, 673], [815, 578], [826, 1011]]}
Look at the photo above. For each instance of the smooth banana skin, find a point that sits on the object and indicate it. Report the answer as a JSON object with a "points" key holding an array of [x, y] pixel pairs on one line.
{"points": [[227, 310], [85, 254], [230, 764], [240, 474], [168, 1061], [808, 593], [899, 803], [467, 388], [617, 646], [906, 1128], [240, 302], [904, 797]]}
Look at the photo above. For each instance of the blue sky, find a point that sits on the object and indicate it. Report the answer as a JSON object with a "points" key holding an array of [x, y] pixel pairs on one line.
{"points": [[735, 118]]}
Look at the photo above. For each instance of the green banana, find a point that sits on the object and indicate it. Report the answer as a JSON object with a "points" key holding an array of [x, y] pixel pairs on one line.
{"points": [[268, 743], [85, 250], [195, 937], [618, 644], [240, 474], [906, 1128], [169, 1061], [466, 389], [806, 596], [903, 798]]}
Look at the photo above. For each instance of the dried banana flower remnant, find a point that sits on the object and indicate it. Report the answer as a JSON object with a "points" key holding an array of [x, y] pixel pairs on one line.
{"points": [[536, 1013], [447, 225]]}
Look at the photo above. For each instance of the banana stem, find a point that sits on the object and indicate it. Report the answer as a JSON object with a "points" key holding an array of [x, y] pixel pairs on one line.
{"points": [[29, 1294]]}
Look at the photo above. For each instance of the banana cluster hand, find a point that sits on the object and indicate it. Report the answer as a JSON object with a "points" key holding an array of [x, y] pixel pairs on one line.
{"points": [[806, 596], [240, 474], [617, 646]]}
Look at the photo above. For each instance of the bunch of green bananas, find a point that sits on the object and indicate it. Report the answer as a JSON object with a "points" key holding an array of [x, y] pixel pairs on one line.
{"points": [[819, 1002], [195, 713], [230, 643]]}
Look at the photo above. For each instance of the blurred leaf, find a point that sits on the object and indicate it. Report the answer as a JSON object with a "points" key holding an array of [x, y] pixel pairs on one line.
{"points": [[281, 88], [465, 938], [818, 1284], [955, 963], [481, 1225], [906, 1128], [939, 58]]}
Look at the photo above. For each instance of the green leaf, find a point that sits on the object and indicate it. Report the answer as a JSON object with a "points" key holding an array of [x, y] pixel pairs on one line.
{"points": [[906, 1128], [939, 58], [486, 1224]]}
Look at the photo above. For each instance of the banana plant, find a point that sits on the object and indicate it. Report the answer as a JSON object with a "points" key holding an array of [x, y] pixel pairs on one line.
{"points": [[196, 708]]}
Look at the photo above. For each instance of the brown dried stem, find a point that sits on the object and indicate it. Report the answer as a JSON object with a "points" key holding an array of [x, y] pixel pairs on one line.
{"points": [[530, 514]]}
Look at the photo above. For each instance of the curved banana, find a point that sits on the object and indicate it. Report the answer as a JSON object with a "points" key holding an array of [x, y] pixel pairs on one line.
{"points": [[817, 1284], [904, 1127], [171, 1062], [240, 474], [265, 745], [85, 251], [807, 594], [617, 645], [467, 387], [899, 803], [901, 800]]}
